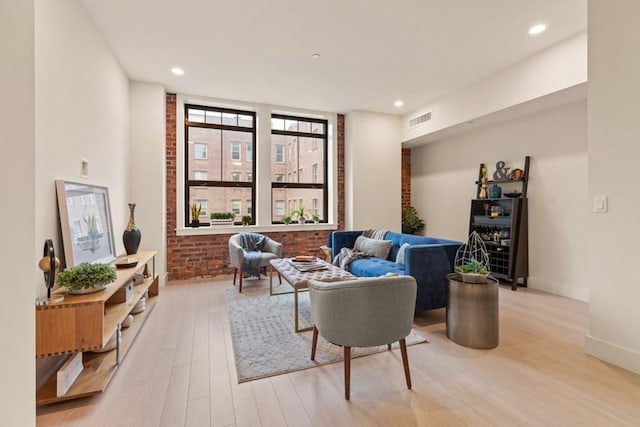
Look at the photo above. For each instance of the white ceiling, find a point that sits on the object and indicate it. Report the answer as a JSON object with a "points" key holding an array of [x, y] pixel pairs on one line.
{"points": [[372, 51]]}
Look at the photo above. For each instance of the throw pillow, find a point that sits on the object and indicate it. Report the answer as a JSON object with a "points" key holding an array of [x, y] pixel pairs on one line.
{"points": [[400, 256], [373, 247]]}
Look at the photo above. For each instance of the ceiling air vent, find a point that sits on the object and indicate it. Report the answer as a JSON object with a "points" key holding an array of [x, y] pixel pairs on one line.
{"points": [[426, 117]]}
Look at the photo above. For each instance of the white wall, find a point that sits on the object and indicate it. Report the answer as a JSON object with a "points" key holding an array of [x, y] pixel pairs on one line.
{"points": [[147, 186], [444, 173], [373, 171], [553, 69], [82, 112], [17, 250], [614, 132]]}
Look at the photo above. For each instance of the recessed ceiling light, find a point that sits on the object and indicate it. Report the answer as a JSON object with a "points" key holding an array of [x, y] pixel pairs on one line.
{"points": [[177, 71], [316, 56], [398, 103], [537, 29]]}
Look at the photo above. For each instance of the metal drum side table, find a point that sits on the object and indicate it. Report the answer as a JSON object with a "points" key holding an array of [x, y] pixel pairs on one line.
{"points": [[472, 313]]}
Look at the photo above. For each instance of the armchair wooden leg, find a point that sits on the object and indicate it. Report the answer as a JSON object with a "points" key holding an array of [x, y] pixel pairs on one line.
{"points": [[279, 278], [314, 343], [347, 372], [405, 362], [235, 272], [240, 287]]}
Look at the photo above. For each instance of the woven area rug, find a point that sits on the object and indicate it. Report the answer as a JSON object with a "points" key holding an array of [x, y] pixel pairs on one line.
{"points": [[264, 343]]}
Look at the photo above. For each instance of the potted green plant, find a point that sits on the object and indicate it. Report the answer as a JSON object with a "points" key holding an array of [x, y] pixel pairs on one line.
{"points": [[300, 214], [286, 219], [411, 222], [195, 214], [246, 219], [222, 217], [85, 278], [315, 218], [472, 260]]}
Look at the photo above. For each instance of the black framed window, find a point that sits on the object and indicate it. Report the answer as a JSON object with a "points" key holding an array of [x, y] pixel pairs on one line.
{"points": [[306, 141], [215, 172]]}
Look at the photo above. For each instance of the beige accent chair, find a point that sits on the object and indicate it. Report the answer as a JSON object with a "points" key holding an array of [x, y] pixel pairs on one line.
{"points": [[363, 312], [270, 250]]}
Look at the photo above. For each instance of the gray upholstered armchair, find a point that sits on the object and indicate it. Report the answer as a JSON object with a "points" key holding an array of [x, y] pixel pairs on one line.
{"points": [[364, 312], [250, 253]]}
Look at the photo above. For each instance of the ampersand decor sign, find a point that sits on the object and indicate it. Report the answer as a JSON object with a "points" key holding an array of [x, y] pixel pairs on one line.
{"points": [[501, 172]]}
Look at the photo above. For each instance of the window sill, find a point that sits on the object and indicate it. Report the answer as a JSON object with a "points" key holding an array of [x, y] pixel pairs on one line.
{"points": [[232, 229]]}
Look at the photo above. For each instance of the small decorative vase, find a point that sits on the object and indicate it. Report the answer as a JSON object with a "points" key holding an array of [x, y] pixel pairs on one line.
{"points": [[495, 192], [132, 235], [483, 193]]}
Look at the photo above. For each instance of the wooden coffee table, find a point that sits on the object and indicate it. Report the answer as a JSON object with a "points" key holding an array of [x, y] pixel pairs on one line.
{"points": [[299, 280]]}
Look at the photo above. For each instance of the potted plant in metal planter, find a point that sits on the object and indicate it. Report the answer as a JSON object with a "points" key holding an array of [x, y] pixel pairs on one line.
{"points": [[85, 278], [472, 261]]}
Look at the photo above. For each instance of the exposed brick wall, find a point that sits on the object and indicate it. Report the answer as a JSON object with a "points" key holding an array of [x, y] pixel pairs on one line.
{"points": [[208, 255], [406, 177], [341, 195]]}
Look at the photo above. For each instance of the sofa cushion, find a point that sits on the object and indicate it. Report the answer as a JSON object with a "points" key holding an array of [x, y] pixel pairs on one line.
{"points": [[374, 267], [400, 256], [373, 247]]}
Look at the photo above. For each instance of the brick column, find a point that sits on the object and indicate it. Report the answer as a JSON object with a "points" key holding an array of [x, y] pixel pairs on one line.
{"points": [[406, 177]]}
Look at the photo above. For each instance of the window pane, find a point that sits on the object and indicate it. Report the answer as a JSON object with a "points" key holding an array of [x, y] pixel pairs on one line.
{"points": [[291, 125], [195, 115], [317, 128], [308, 158], [214, 117], [304, 127], [231, 161], [293, 198], [220, 199], [245, 121], [230, 119], [277, 124], [204, 152]]}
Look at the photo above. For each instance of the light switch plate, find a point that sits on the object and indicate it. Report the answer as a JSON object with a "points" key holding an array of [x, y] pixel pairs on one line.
{"points": [[600, 204]]}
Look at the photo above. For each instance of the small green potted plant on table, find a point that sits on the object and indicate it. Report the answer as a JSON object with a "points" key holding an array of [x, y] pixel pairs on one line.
{"points": [[85, 278]]}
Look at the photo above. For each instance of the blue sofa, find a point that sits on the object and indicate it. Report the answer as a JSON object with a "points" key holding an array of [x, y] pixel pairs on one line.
{"points": [[427, 259]]}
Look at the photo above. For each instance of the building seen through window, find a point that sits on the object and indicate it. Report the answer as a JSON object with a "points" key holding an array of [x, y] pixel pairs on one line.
{"points": [[306, 141], [220, 163], [217, 175]]}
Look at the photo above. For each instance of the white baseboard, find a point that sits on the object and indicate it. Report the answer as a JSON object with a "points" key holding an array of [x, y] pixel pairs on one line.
{"points": [[612, 353]]}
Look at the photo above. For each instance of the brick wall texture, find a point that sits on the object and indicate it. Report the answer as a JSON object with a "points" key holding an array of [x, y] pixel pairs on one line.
{"points": [[406, 177], [208, 255]]}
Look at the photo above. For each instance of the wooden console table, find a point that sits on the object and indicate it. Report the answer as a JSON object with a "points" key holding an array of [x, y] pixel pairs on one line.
{"points": [[86, 322]]}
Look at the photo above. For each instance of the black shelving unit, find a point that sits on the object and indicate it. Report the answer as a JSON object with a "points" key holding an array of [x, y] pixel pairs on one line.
{"points": [[505, 232]]}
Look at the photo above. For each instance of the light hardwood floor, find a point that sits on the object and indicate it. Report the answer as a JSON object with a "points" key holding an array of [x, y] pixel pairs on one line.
{"points": [[180, 372]]}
